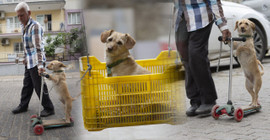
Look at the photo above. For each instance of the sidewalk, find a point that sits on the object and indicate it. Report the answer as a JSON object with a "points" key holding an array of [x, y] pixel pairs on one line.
{"points": [[252, 127], [255, 126], [18, 127]]}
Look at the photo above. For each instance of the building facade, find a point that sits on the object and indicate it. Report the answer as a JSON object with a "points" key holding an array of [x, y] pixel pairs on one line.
{"points": [[51, 14]]}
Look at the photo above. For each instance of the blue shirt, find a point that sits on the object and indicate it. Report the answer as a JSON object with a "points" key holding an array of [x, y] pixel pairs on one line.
{"points": [[199, 13]]}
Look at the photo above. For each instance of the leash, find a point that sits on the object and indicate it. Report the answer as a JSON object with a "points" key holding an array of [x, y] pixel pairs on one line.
{"points": [[220, 51], [88, 70]]}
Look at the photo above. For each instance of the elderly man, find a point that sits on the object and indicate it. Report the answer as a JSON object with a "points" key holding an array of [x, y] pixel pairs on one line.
{"points": [[34, 58], [193, 26]]}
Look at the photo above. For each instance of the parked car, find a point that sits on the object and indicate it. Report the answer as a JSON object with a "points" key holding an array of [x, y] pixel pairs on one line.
{"points": [[234, 12], [262, 6]]}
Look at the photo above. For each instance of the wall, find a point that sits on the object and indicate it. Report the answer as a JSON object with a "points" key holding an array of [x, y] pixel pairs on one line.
{"points": [[57, 18]]}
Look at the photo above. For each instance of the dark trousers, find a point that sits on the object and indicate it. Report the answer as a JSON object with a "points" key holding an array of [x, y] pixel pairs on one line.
{"points": [[193, 49], [32, 81]]}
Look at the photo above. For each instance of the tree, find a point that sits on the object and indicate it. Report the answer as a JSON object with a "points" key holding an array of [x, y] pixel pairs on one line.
{"points": [[75, 39]]}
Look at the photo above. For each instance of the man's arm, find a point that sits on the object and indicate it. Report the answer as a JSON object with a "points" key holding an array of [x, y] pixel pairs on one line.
{"points": [[37, 34], [219, 18]]}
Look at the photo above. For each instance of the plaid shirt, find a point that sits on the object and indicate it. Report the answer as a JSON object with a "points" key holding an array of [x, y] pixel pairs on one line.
{"points": [[199, 13], [33, 44]]}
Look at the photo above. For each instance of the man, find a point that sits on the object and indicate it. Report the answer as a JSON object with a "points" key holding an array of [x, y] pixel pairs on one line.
{"points": [[34, 58], [193, 26]]}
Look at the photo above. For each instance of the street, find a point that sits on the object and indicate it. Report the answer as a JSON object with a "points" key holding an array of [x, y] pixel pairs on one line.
{"points": [[255, 126]]}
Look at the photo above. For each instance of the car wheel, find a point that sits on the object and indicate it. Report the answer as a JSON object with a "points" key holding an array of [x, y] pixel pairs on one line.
{"points": [[260, 43]]}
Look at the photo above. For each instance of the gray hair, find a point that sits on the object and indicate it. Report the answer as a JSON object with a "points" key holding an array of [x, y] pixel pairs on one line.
{"points": [[22, 5]]}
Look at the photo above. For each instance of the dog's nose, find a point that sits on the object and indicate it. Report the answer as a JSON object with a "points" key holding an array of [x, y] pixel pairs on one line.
{"points": [[243, 29], [110, 49]]}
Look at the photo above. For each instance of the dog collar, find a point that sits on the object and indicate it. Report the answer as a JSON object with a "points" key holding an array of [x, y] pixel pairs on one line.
{"points": [[58, 71], [110, 66], [246, 36]]}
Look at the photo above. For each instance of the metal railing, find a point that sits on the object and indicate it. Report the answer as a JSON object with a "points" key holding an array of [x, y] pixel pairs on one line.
{"points": [[11, 57], [16, 28]]}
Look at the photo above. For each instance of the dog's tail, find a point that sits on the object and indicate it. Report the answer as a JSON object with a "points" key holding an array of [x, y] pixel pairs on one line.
{"points": [[262, 71], [74, 98]]}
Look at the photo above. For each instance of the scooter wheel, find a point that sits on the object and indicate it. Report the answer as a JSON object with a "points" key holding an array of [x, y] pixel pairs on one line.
{"points": [[38, 129], [33, 116], [238, 114], [214, 113]]}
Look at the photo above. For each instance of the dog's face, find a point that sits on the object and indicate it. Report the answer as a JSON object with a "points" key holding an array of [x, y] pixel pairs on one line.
{"points": [[117, 43], [244, 27], [55, 65]]}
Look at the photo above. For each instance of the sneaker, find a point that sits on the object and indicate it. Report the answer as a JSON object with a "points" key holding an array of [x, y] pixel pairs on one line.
{"points": [[204, 109], [19, 109], [191, 110], [46, 113]]}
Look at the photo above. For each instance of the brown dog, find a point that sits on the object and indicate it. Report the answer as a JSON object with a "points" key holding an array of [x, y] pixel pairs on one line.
{"points": [[118, 59], [59, 82], [246, 55]]}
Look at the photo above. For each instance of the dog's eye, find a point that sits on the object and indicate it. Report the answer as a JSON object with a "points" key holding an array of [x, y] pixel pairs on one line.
{"points": [[119, 43], [110, 39], [246, 23], [240, 23]]}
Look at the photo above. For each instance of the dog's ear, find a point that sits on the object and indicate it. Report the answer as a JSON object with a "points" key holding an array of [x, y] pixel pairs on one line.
{"points": [[236, 25], [62, 65], [252, 25], [105, 35], [130, 41]]}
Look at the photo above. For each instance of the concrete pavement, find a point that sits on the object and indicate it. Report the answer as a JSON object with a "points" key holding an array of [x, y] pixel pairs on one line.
{"points": [[256, 126]]}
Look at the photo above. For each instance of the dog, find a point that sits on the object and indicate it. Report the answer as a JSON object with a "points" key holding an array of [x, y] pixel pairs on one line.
{"points": [[119, 62], [246, 56], [58, 77]]}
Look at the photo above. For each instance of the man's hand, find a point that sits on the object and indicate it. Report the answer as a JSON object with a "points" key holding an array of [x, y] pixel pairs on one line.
{"points": [[41, 70], [226, 34], [24, 62]]}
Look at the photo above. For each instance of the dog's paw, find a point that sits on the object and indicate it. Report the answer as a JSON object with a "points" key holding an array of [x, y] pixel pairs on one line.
{"points": [[254, 104], [67, 120]]}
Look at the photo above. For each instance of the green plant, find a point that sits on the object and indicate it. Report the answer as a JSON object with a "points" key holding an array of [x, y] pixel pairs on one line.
{"points": [[49, 48], [74, 38]]}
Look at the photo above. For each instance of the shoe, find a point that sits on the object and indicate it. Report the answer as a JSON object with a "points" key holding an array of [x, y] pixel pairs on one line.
{"points": [[46, 113], [191, 110], [19, 109], [204, 109]]}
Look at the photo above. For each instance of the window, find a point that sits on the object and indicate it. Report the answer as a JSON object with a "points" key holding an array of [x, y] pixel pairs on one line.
{"points": [[45, 21], [17, 23], [74, 18], [18, 47], [12, 24]]}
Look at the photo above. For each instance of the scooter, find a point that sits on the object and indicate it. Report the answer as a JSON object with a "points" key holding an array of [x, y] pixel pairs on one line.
{"points": [[36, 121], [229, 109]]}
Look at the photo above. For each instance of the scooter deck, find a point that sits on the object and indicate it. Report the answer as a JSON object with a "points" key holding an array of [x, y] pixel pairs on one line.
{"points": [[56, 123], [251, 109]]}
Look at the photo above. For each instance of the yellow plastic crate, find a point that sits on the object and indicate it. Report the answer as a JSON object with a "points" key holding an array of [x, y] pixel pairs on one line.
{"points": [[132, 100]]}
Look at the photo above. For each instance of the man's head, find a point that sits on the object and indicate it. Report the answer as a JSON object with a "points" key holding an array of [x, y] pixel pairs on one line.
{"points": [[23, 12]]}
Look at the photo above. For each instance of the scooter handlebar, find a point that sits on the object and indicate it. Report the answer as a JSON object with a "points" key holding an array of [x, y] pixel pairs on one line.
{"points": [[233, 39]]}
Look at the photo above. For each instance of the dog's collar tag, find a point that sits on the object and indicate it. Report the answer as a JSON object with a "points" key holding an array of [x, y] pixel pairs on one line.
{"points": [[109, 70]]}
